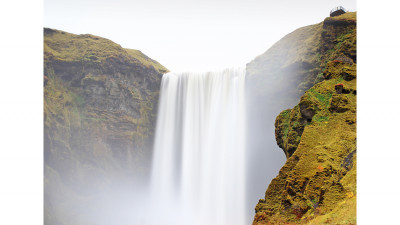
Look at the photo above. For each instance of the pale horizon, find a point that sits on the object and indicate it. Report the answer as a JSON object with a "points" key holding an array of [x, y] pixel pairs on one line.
{"points": [[190, 35]]}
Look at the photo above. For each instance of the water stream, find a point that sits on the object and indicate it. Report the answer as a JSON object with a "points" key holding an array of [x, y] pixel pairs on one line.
{"points": [[199, 171]]}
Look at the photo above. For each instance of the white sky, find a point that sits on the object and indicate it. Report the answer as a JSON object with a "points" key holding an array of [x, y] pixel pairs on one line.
{"points": [[190, 35]]}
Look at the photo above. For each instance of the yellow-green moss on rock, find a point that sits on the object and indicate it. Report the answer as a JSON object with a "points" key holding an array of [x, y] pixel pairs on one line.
{"points": [[100, 103], [317, 184]]}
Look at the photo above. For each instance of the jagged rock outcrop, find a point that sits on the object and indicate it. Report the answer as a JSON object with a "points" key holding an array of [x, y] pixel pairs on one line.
{"points": [[275, 81], [100, 102], [317, 184]]}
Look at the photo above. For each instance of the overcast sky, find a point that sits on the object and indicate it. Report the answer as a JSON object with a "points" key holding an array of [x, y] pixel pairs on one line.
{"points": [[189, 35]]}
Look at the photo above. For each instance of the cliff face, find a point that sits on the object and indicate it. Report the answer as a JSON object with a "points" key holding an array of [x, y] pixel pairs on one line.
{"points": [[296, 62], [288, 68], [317, 184], [275, 81], [100, 102]]}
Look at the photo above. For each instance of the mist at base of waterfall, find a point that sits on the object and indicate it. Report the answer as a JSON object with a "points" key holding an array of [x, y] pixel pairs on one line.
{"points": [[213, 158]]}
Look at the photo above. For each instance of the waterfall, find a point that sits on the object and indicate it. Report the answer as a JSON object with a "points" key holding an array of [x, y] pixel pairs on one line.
{"points": [[198, 173]]}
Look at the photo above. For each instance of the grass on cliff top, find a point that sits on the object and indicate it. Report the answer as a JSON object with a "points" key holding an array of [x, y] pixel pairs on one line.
{"points": [[300, 45], [70, 47], [349, 16], [295, 54], [65, 46], [294, 47], [145, 60]]}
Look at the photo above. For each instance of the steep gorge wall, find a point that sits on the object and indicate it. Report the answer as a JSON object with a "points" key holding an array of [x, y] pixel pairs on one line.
{"points": [[274, 81], [100, 104], [317, 184]]}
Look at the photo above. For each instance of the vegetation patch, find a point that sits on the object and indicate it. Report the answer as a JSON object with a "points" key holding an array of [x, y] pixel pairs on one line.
{"points": [[99, 118], [319, 118], [317, 184]]}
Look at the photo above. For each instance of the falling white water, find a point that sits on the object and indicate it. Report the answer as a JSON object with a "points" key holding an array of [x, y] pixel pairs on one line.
{"points": [[198, 175]]}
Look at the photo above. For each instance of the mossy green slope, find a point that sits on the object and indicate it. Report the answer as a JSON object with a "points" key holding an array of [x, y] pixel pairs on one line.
{"points": [[317, 184], [296, 62], [292, 64], [100, 103], [64, 46]]}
